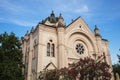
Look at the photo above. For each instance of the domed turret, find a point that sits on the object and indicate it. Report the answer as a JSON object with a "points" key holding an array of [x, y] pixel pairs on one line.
{"points": [[52, 18], [52, 14], [96, 30], [60, 21]]}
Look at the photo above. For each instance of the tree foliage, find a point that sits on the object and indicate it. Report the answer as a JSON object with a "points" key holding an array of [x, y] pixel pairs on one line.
{"points": [[116, 67], [118, 58], [10, 57], [84, 69]]}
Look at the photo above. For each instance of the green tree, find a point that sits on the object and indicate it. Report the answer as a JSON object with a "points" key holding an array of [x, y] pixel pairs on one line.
{"points": [[10, 57], [116, 67], [118, 58]]}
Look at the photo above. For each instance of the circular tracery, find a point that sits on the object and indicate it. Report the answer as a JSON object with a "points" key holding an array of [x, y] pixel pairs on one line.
{"points": [[79, 48]]}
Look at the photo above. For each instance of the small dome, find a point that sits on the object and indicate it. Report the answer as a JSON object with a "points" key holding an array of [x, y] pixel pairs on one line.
{"points": [[96, 30]]}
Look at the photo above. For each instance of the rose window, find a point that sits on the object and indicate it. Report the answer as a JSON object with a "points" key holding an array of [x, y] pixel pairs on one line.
{"points": [[80, 49]]}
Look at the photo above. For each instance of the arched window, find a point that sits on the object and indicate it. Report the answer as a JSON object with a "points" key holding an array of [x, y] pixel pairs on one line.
{"points": [[50, 49]]}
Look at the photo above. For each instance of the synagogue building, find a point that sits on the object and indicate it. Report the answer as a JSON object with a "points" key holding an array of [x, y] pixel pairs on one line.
{"points": [[52, 44]]}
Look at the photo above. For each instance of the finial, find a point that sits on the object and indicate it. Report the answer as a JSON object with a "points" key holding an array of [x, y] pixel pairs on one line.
{"points": [[72, 20], [52, 14], [60, 16], [22, 38], [96, 30], [27, 33], [32, 27], [32, 30], [43, 21], [60, 20]]}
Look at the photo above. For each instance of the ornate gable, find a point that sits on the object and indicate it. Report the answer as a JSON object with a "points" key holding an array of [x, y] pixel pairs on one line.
{"points": [[79, 25]]}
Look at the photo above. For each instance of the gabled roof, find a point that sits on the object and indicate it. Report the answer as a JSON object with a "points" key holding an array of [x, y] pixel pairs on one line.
{"points": [[82, 20], [74, 21]]}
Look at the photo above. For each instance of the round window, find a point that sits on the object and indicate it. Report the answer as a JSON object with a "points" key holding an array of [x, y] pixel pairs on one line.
{"points": [[79, 48]]}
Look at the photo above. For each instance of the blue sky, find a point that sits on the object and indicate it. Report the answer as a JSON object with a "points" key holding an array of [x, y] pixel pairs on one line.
{"points": [[18, 16]]}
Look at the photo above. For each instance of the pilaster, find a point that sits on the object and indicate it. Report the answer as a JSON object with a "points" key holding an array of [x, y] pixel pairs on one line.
{"points": [[39, 54], [61, 47], [99, 45], [98, 40], [29, 76], [24, 54], [108, 59]]}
